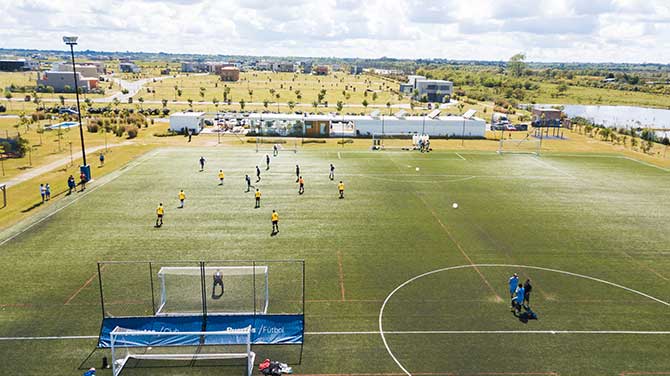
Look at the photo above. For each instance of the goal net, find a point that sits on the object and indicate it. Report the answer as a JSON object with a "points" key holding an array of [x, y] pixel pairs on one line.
{"points": [[154, 349], [397, 141], [188, 290], [523, 146]]}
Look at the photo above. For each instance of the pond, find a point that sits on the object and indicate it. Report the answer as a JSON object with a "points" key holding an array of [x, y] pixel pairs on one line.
{"points": [[622, 116]]}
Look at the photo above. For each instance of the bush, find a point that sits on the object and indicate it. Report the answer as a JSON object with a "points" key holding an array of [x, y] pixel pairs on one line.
{"points": [[167, 133], [314, 142], [118, 131], [132, 132], [347, 141], [93, 127]]}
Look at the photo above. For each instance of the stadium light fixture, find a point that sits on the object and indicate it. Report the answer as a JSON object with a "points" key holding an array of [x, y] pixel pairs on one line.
{"points": [[84, 168]]}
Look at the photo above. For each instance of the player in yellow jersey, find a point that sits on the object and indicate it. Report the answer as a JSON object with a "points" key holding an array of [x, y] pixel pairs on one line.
{"points": [[221, 176], [340, 187], [275, 222], [182, 197], [160, 211], [258, 199]]}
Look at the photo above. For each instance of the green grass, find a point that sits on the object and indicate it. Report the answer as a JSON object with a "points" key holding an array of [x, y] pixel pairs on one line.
{"points": [[598, 215]]}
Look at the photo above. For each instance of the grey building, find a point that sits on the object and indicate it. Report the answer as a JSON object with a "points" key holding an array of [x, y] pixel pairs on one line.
{"points": [[283, 67], [63, 82], [421, 88], [129, 68], [18, 65]]}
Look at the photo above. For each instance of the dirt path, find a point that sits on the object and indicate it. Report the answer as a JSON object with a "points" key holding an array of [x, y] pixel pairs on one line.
{"points": [[54, 165]]}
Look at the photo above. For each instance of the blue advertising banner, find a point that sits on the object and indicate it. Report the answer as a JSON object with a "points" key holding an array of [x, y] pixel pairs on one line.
{"points": [[265, 329]]}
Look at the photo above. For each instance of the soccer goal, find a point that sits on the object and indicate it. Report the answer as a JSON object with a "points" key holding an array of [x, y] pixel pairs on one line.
{"points": [[523, 146], [188, 290], [159, 349], [390, 141]]}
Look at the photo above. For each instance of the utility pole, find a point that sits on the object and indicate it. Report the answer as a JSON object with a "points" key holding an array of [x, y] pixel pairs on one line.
{"points": [[84, 168]]}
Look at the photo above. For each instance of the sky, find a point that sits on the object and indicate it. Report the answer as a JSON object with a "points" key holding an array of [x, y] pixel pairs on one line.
{"points": [[633, 31]]}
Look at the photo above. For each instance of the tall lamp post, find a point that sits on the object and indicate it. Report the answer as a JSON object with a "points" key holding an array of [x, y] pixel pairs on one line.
{"points": [[84, 168]]}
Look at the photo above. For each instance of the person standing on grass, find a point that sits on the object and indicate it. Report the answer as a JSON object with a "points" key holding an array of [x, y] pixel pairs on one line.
{"points": [[102, 159], [248, 180], [527, 288], [258, 174], [47, 191], [331, 176], [275, 222], [301, 188], [43, 192], [160, 211], [258, 199], [340, 187], [513, 283], [182, 197], [221, 176], [82, 181], [218, 280], [267, 162], [518, 298], [275, 150], [297, 173], [202, 163], [71, 184]]}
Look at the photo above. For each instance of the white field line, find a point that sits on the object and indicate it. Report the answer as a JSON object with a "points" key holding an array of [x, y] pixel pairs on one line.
{"points": [[399, 332], [644, 163], [513, 266], [460, 156], [119, 172], [546, 164]]}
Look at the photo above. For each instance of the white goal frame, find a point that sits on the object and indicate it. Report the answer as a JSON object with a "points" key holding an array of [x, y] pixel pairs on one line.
{"points": [[196, 271], [381, 137], [118, 362], [530, 146]]}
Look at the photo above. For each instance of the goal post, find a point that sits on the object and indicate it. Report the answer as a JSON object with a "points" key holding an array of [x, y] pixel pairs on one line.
{"points": [[519, 146], [149, 349], [243, 290], [398, 141]]}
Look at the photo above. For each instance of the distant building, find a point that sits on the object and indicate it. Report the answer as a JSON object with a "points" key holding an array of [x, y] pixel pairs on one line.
{"points": [[283, 67], [321, 70], [421, 88], [546, 117], [129, 67], [18, 65], [355, 69], [305, 67], [183, 122], [263, 66], [63, 82], [230, 74], [217, 67], [193, 67], [86, 70]]}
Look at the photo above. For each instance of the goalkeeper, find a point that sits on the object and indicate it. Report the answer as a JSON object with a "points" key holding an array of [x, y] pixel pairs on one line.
{"points": [[218, 280]]}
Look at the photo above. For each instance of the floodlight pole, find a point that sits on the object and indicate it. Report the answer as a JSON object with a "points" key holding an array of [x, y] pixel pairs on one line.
{"points": [[72, 41]]}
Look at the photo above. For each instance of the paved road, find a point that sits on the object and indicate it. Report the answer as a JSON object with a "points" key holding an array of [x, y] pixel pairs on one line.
{"points": [[37, 171]]}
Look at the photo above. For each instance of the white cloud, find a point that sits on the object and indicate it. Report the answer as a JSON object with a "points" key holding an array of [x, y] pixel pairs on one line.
{"points": [[546, 30]]}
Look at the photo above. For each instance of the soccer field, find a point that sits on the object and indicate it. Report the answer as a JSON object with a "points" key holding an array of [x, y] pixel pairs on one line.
{"points": [[397, 280]]}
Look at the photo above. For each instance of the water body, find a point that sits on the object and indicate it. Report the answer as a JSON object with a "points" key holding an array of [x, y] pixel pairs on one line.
{"points": [[621, 116]]}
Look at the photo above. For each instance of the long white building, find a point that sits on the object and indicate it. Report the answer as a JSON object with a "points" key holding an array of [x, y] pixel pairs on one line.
{"points": [[365, 125]]}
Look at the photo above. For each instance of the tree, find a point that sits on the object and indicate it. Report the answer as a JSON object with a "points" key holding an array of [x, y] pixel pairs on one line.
{"points": [[115, 102], [516, 65], [340, 106], [61, 98], [291, 105], [190, 102], [365, 103], [388, 105], [242, 104], [215, 102], [164, 102], [374, 96], [266, 103], [315, 104], [179, 92], [562, 88], [251, 95], [141, 100]]}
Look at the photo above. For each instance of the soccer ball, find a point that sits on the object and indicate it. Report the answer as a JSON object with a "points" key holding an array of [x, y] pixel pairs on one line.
{"points": [[455, 206], [417, 169]]}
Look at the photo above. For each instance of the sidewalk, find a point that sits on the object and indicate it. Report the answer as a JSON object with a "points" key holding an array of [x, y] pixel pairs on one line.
{"points": [[54, 165]]}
